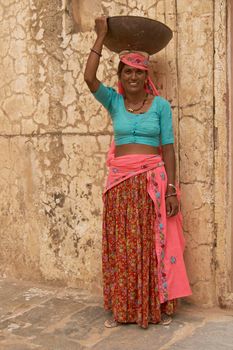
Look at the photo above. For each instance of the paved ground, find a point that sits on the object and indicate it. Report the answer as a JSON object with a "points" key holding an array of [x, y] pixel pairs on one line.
{"points": [[42, 317]]}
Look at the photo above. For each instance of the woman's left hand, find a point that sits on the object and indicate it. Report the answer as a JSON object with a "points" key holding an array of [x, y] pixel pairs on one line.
{"points": [[172, 206]]}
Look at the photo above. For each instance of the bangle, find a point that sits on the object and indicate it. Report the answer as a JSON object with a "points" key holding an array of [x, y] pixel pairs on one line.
{"points": [[173, 186], [96, 52], [170, 195]]}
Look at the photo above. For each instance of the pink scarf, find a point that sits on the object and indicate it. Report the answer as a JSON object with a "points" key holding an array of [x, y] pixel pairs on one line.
{"points": [[172, 278]]}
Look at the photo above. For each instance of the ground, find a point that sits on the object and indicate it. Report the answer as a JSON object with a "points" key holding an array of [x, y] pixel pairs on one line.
{"points": [[45, 317]]}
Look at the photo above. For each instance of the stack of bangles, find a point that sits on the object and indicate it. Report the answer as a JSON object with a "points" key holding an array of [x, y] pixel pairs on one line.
{"points": [[171, 194]]}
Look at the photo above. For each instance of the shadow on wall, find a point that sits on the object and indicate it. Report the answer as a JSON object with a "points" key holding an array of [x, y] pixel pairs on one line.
{"points": [[83, 13]]}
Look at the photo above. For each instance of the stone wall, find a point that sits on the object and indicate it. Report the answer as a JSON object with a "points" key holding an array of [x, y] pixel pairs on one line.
{"points": [[54, 136], [196, 118]]}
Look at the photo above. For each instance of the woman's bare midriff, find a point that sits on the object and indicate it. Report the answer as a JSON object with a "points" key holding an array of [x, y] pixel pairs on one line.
{"points": [[135, 148]]}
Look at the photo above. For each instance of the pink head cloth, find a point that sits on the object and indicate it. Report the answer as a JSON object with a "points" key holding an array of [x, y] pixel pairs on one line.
{"points": [[140, 61]]}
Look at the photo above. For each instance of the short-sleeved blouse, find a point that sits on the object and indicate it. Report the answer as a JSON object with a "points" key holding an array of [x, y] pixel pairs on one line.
{"points": [[153, 127]]}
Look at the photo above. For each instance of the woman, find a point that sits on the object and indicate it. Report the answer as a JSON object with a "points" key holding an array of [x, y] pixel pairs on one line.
{"points": [[143, 268]]}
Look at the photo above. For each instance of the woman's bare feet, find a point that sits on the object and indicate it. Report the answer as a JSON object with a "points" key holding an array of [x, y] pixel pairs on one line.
{"points": [[165, 319]]}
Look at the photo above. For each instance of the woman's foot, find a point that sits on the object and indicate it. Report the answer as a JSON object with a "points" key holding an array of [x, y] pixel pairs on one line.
{"points": [[165, 320], [111, 323]]}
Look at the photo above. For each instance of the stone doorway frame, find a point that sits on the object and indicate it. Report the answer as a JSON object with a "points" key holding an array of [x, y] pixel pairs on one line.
{"points": [[223, 151], [230, 116]]}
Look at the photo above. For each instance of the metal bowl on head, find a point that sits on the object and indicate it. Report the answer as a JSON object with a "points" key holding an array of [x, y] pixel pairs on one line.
{"points": [[137, 34]]}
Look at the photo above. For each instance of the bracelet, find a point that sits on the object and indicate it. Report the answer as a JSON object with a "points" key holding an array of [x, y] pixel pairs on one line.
{"points": [[170, 195], [96, 52], [173, 186]]}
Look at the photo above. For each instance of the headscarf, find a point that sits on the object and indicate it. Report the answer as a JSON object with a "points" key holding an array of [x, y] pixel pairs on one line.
{"points": [[138, 60]]}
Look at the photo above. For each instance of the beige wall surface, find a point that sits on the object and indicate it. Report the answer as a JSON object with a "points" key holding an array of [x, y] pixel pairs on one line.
{"points": [[54, 136]]}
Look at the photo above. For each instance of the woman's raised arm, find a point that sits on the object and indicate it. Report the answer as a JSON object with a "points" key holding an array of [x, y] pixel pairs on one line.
{"points": [[92, 65]]}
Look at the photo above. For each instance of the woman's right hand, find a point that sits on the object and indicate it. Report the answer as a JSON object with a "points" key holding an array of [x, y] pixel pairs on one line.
{"points": [[101, 26]]}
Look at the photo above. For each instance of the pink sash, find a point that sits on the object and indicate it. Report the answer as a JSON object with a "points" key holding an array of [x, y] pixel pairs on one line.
{"points": [[172, 278]]}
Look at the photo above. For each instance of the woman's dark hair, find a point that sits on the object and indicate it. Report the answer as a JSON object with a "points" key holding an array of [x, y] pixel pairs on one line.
{"points": [[120, 68]]}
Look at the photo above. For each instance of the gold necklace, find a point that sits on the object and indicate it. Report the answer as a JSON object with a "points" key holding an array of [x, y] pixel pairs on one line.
{"points": [[131, 110]]}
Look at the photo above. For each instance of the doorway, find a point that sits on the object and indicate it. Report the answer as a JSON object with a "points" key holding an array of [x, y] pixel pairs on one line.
{"points": [[230, 117]]}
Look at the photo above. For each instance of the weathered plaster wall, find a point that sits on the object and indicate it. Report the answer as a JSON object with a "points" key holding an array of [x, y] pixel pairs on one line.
{"points": [[52, 153], [54, 136]]}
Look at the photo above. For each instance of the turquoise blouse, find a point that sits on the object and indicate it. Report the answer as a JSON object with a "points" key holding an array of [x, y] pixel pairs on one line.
{"points": [[154, 127]]}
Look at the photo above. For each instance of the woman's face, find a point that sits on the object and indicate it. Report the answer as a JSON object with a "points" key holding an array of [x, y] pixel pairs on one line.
{"points": [[132, 79]]}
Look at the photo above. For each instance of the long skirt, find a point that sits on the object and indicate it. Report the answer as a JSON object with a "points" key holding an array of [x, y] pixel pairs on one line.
{"points": [[129, 262]]}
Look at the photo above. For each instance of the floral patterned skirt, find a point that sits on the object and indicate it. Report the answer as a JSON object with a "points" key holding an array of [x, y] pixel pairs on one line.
{"points": [[130, 283]]}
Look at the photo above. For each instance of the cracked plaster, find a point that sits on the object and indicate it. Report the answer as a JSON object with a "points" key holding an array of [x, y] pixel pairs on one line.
{"points": [[54, 136]]}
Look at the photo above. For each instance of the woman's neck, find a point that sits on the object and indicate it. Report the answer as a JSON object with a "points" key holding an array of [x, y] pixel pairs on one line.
{"points": [[135, 98]]}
